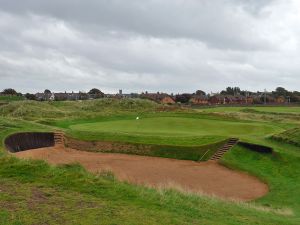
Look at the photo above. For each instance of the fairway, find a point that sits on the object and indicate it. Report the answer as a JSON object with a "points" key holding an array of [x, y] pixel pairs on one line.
{"points": [[177, 126], [267, 109]]}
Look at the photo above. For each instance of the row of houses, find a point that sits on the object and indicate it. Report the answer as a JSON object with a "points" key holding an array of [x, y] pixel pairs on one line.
{"points": [[216, 99], [164, 98], [65, 96]]}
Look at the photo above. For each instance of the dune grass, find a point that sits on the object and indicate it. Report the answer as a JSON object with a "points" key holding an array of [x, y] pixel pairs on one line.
{"points": [[53, 111], [291, 136]]}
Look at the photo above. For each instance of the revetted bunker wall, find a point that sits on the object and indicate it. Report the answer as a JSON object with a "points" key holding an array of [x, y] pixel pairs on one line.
{"points": [[29, 140], [194, 153], [257, 148]]}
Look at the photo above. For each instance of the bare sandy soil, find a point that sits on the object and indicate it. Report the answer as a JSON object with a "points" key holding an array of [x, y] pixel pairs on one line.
{"points": [[205, 177]]}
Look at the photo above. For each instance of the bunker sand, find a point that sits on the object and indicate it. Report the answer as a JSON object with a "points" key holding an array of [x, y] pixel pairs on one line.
{"points": [[205, 177]]}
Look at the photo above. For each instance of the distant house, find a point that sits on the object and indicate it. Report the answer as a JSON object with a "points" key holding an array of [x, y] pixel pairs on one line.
{"points": [[43, 96], [159, 98], [249, 100], [52, 97], [62, 96], [280, 100], [217, 100], [199, 100], [167, 100], [230, 99]]}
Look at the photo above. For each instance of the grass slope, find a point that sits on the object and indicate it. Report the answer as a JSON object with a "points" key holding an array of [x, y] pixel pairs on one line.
{"points": [[291, 136], [281, 171], [53, 111]]}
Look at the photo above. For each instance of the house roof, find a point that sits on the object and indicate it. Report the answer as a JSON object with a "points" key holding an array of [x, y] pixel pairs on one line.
{"points": [[156, 96], [199, 97]]}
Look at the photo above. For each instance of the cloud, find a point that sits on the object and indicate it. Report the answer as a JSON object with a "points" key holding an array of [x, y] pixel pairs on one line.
{"points": [[174, 46]]}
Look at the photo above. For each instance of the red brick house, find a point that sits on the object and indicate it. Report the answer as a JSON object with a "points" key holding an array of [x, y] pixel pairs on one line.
{"points": [[167, 100], [159, 98], [230, 99], [199, 100], [218, 100], [280, 100]]}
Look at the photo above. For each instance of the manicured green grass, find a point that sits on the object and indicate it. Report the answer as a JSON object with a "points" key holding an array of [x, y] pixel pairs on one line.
{"points": [[179, 127], [268, 109]]}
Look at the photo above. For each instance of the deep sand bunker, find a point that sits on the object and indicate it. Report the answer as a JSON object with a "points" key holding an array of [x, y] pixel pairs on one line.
{"points": [[205, 177]]}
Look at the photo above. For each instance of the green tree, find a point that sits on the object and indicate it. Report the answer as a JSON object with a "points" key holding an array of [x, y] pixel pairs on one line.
{"points": [[47, 91], [30, 96], [9, 91], [96, 93], [200, 92]]}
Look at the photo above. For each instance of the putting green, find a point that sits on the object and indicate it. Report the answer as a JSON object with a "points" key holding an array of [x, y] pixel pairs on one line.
{"points": [[177, 126]]}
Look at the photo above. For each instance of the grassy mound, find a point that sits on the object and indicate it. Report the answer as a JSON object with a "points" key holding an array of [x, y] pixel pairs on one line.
{"points": [[291, 136], [33, 110]]}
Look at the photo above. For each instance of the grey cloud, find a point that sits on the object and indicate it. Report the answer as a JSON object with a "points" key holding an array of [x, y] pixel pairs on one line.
{"points": [[219, 23], [173, 46]]}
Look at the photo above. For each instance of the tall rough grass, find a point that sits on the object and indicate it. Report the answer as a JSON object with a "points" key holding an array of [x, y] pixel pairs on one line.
{"points": [[33, 110]]}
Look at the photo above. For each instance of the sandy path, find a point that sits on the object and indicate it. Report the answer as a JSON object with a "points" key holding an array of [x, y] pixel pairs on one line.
{"points": [[207, 177]]}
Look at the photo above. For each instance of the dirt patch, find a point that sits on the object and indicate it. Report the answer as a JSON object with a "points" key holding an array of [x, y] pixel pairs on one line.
{"points": [[205, 177], [37, 198]]}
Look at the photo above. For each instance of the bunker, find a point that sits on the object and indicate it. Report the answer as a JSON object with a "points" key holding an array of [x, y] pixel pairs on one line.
{"points": [[29, 140]]}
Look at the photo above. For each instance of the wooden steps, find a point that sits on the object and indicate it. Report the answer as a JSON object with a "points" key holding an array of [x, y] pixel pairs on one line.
{"points": [[225, 148], [59, 139]]}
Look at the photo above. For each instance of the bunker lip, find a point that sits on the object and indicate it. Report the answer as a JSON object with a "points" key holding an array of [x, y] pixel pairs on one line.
{"points": [[206, 177]]}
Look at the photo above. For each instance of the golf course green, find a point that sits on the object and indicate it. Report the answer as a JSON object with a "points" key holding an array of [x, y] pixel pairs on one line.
{"points": [[178, 126]]}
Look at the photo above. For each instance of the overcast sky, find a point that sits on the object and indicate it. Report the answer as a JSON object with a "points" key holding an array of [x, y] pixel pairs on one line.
{"points": [[155, 45]]}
